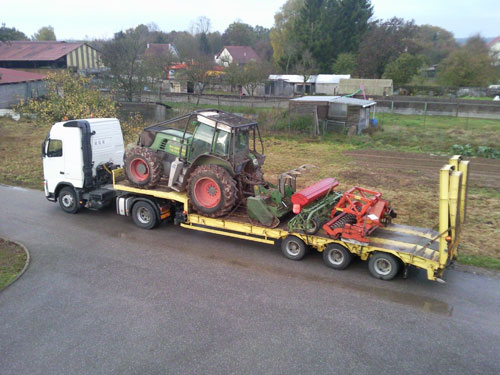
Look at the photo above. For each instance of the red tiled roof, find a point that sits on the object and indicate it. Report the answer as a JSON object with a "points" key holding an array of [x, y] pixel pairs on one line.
{"points": [[241, 54], [158, 49], [493, 41], [15, 76], [35, 51]]}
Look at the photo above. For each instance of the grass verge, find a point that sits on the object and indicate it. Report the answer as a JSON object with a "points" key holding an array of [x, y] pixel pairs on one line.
{"points": [[12, 261], [480, 261]]}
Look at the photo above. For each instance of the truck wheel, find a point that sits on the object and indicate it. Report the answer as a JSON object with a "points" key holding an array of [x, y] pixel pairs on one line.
{"points": [[383, 266], [293, 248], [144, 215], [212, 190], [68, 200], [143, 167], [337, 256]]}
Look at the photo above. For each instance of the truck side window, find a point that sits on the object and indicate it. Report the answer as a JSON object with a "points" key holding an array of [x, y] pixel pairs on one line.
{"points": [[55, 148]]}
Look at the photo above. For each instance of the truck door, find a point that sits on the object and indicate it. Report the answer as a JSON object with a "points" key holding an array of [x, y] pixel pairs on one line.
{"points": [[53, 163]]}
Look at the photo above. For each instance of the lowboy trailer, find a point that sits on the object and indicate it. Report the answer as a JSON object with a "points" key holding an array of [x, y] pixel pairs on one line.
{"points": [[390, 248]]}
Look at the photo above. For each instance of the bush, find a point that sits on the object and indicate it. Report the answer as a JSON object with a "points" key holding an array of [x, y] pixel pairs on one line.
{"points": [[69, 97], [482, 151], [132, 127]]}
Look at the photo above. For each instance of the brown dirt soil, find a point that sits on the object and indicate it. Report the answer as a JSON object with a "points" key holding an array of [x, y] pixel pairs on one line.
{"points": [[484, 173]]}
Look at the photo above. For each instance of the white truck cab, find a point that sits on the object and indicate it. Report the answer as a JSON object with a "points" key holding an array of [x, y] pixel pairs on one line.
{"points": [[78, 156]]}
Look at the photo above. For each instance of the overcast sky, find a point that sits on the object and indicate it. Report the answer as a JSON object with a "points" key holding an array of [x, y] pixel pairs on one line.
{"points": [[101, 19]]}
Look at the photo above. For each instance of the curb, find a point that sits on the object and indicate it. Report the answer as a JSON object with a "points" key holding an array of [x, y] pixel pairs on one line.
{"points": [[26, 265]]}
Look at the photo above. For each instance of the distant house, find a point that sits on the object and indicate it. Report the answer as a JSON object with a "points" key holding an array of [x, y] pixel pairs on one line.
{"points": [[161, 49], [240, 55], [494, 47], [16, 85], [49, 55]]}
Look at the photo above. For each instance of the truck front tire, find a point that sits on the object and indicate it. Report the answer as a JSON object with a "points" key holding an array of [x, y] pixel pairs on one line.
{"points": [[144, 215], [68, 200]]}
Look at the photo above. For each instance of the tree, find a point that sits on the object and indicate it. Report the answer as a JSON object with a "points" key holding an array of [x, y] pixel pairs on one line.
{"points": [[204, 44], [233, 75], [345, 64], [403, 68], [238, 34], [155, 66], [254, 73], [10, 33], [44, 34], [69, 96], [307, 66], [198, 74], [383, 43], [469, 66], [122, 56], [282, 36], [434, 43]]}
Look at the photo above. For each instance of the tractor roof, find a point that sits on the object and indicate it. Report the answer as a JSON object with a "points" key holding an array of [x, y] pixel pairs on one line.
{"points": [[210, 117], [226, 118]]}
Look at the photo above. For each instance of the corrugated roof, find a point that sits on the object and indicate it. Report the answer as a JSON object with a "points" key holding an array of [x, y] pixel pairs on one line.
{"points": [[35, 51], [241, 54], [336, 99], [331, 78], [16, 76]]}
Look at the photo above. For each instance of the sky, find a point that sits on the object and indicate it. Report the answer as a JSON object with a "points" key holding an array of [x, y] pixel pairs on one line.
{"points": [[93, 19]]}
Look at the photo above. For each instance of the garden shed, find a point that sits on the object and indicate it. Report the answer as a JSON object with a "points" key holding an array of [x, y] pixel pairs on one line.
{"points": [[335, 113]]}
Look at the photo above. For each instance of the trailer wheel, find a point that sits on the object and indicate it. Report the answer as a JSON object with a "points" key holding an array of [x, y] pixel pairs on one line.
{"points": [[293, 248], [337, 256], [383, 266], [144, 215], [68, 200]]}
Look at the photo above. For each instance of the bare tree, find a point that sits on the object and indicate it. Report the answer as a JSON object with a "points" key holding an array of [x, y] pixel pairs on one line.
{"points": [[198, 74]]}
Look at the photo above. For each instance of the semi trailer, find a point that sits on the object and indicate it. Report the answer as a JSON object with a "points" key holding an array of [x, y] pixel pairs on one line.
{"points": [[84, 167]]}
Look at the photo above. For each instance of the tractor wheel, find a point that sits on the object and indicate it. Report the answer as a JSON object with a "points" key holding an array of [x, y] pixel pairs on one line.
{"points": [[143, 167], [212, 190]]}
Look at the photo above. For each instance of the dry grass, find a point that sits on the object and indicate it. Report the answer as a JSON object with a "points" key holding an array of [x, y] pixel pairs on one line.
{"points": [[20, 153]]}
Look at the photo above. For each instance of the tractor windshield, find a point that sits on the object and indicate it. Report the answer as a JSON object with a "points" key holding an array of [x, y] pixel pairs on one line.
{"points": [[241, 143]]}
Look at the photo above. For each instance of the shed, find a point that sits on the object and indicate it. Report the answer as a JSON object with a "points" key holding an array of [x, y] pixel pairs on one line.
{"points": [[16, 85], [336, 113], [328, 84], [52, 55]]}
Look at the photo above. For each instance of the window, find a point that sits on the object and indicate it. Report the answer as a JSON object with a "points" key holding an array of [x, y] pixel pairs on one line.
{"points": [[55, 148], [202, 141], [222, 144]]}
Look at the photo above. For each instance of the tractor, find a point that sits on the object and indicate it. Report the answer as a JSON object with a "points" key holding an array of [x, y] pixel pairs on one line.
{"points": [[214, 158]]}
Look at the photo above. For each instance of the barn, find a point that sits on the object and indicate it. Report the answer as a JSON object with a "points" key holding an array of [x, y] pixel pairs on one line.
{"points": [[26, 55], [16, 85]]}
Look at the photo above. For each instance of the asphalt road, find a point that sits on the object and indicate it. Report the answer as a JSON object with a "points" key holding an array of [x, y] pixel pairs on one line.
{"points": [[104, 297]]}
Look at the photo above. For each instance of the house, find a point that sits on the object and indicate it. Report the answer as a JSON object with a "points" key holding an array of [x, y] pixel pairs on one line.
{"points": [[161, 49], [17, 84], [240, 55], [335, 113], [494, 47], [49, 55]]}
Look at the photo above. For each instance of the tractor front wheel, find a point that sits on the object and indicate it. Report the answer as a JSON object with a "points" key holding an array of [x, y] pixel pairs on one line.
{"points": [[143, 167], [212, 190]]}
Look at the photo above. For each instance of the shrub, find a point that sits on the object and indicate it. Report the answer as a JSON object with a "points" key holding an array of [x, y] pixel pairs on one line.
{"points": [[69, 97]]}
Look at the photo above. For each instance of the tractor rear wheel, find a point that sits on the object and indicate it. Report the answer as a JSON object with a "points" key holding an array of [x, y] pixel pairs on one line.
{"points": [[212, 190], [143, 167]]}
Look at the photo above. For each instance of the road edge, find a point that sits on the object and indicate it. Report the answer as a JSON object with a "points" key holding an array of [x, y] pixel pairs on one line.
{"points": [[26, 265]]}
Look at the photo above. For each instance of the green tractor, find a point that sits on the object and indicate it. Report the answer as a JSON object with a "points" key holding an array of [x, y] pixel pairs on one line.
{"points": [[214, 158]]}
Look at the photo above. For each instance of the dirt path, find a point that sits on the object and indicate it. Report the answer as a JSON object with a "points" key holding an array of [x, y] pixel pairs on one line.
{"points": [[485, 173]]}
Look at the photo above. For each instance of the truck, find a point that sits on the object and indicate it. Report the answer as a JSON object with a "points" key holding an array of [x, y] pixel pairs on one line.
{"points": [[86, 165]]}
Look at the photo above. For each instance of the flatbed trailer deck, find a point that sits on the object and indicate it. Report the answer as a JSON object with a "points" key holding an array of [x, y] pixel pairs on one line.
{"points": [[427, 249]]}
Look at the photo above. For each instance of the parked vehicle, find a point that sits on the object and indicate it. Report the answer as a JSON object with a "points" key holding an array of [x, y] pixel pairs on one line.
{"points": [[83, 167]]}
